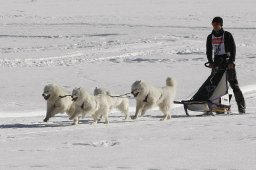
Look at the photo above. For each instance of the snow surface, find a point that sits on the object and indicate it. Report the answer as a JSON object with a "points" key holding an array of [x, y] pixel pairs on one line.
{"points": [[111, 44]]}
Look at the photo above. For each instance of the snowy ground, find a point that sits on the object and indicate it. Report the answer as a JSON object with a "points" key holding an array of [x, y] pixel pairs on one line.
{"points": [[111, 44]]}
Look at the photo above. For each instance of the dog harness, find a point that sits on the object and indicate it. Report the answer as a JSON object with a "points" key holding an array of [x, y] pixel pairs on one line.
{"points": [[146, 98]]}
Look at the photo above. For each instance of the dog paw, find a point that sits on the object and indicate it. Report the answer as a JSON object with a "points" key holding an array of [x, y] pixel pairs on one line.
{"points": [[94, 123], [163, 119], [134, 117], [75, 123], [127, 118]]}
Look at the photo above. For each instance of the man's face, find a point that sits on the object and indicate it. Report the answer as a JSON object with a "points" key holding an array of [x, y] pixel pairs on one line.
{"points": [[216, 26]]}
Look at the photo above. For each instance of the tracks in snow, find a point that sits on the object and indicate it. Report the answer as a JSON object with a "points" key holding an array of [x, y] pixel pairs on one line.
{"points": [[137, 56]]}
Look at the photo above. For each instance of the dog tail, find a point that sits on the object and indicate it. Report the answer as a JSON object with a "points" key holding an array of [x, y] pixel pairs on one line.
{"points": [[170, 82]]}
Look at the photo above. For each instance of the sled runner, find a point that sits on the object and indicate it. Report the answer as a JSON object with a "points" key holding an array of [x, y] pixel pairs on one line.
{"points": [[212, 96]]}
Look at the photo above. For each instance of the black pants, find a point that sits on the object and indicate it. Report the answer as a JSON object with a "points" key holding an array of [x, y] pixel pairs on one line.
{"points": [[221, 62], [232, 79]]}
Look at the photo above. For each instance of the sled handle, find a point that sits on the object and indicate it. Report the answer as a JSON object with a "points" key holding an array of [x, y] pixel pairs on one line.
{"points": [[207, 64]]}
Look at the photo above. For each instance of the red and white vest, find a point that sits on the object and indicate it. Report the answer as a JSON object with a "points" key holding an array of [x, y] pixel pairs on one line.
{"points": [[218, 45]]}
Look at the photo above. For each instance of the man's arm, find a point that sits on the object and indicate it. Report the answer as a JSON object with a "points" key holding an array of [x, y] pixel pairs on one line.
{"points": [[209, 48], [231, 48]]}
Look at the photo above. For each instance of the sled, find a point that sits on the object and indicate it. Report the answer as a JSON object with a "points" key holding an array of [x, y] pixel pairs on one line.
{"points": [[212, 96]]}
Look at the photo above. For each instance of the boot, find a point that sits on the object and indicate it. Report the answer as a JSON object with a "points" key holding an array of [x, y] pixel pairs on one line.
{"points": [[241, 108]]}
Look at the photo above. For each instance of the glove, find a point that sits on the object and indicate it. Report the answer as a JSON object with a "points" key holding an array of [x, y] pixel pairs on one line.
{"points": [[231, 66], [211, 65]]}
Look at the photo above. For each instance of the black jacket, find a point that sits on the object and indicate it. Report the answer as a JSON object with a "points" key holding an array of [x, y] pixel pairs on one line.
{"points": [[230, 46]]}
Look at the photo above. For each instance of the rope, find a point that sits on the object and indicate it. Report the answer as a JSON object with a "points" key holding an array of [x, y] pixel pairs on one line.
{"points": [[64, 96], [126, 95]]}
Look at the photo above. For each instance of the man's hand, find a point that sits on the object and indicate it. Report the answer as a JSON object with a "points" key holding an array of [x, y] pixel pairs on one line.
{"points": [[231, 66], [211, 65]]}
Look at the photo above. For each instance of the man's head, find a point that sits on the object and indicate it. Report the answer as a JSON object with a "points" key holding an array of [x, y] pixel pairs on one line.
{"points": [[217, 23]]}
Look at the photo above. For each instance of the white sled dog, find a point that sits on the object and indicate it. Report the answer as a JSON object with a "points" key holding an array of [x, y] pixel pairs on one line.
{"points": [[58, 101], [85, 103], [148, 96], [120, 103]]}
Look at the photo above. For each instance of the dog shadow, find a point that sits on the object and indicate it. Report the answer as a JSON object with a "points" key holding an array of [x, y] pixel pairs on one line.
{"points": [[173, 116], [66, 123], [36, 125]]}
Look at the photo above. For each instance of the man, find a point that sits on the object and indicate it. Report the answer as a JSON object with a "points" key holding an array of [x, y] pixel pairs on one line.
{"points": [[223, 45]]}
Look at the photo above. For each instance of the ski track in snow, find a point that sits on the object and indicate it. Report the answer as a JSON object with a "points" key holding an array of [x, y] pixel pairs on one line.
{"points": [[102, 143], [78, 58], [121, 25], [66, 60]]}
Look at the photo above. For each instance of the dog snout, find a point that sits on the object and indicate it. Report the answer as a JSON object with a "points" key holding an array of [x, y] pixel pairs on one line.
{"points": [[46, 96], [135, 93], [74, 98]]}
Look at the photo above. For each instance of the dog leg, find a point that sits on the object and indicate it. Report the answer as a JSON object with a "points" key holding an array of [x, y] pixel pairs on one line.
{"points": [[99, 119], [139, 107], [106, 119], [51, 112], [46, 118], [126, 112], [169, 112], [76, 121], [95, 118], [48, 113], [164, 118], [74, 116], [166, 112], [146, 107], [167, 116], [105, 115]]}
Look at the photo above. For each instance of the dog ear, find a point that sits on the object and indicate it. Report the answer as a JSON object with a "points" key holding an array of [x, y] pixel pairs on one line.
{"points": [[77, 88]]}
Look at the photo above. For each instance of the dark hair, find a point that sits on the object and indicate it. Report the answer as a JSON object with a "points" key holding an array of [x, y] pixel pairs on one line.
{"points": [[218, 20]]}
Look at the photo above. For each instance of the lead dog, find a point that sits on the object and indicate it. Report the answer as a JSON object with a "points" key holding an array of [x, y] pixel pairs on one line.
{"points": [[120, 103], [148, 96], [57, 100], [85, 103]]}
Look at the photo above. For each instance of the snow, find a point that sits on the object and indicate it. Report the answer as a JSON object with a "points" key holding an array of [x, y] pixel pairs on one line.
{"points": [[111, 44]]}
